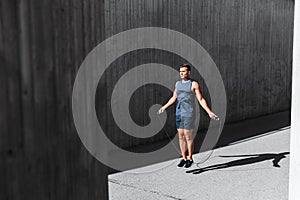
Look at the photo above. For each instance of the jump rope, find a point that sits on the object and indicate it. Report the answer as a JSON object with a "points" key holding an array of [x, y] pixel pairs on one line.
{"points": [[211, 152]]}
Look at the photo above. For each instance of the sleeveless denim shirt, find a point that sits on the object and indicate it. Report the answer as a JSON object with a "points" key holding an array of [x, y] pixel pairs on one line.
{"points": [[185, 99]]}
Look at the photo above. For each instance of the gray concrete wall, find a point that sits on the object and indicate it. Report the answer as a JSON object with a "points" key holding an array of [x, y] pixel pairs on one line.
{"points": [[42, 44], [250, 42]]}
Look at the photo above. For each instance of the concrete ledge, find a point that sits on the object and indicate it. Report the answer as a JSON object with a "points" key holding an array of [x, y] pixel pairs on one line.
{"points": [[252, 169]]}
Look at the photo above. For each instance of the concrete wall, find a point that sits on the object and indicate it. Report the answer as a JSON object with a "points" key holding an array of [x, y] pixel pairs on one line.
{"points": [[250, 42], [43, 43]]}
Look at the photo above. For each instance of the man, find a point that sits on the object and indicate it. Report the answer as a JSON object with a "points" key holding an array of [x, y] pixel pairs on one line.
{"points": [[184, 96]]}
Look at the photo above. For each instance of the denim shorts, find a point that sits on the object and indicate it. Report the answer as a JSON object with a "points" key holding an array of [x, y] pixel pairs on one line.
{"points": [[183, 122]]}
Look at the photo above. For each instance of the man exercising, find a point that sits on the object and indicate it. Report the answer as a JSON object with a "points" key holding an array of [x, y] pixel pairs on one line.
{"points": [[184, 94]]}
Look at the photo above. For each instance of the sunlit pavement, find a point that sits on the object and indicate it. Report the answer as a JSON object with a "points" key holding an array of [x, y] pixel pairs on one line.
{"points": [[256, 168]]}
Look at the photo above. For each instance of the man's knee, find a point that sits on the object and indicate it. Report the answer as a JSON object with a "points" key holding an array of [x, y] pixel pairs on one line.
{"points": [[188, 135], [181, 136], [189, 138]]}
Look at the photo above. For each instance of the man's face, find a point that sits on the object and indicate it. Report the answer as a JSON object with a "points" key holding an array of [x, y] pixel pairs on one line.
{"points": [[184, 73]]}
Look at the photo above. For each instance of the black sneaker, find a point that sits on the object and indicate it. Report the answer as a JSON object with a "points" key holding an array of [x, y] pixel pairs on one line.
{"points": [[181, 163], [188, 163]]}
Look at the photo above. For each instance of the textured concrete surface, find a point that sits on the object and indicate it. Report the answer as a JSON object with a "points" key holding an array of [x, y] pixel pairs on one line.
{"points": [[256, 168]]}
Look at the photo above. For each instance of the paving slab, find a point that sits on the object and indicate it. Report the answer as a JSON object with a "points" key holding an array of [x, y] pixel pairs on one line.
{"points": [[255, 168]]}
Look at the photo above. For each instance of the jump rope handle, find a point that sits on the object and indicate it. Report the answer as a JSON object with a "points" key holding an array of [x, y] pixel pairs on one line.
{"points": [[216, 118], [158, 112]]}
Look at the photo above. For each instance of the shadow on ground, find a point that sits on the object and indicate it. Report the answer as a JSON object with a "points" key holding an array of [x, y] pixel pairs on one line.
{"points": [[253, 158]]}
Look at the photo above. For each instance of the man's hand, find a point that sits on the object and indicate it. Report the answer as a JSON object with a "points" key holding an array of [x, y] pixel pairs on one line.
{"points": [[213, 116], [161, 110]]}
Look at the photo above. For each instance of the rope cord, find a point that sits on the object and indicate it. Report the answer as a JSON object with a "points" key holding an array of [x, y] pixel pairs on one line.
{"points": [[197, 163]]}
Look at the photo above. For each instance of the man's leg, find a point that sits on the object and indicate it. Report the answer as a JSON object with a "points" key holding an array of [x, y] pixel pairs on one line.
{"points": [[190, 142], [182, 142]]}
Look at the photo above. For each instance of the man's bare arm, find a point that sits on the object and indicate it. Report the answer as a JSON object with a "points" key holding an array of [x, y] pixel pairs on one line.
{"points": [[171, 101], [202, 101]]}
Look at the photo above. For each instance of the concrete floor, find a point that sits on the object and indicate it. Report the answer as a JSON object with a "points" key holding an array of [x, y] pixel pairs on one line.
{"points": [[243, 170]]}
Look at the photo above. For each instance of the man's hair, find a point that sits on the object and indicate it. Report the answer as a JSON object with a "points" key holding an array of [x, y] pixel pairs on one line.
{"points": [[188, 67]]}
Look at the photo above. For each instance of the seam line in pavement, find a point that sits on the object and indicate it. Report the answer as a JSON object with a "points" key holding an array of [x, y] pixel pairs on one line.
{"points": [[134, 187]]}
